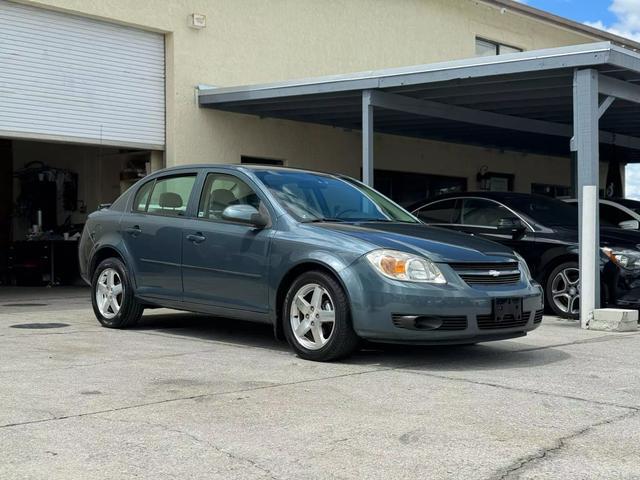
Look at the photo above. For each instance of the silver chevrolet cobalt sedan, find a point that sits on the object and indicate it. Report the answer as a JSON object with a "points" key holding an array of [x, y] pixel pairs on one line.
{"points": [[325, 259]]}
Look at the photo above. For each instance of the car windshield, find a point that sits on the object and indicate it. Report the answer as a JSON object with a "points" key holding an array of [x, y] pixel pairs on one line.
{"points": [[315, 197], [545, 211]]}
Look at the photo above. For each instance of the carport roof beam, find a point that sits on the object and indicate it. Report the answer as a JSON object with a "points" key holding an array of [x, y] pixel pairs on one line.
{"points": [[522, 62], [619, 89]]}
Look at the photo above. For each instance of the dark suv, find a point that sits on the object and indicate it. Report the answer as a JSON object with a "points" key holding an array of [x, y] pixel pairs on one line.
{"points": [[545, 232]]}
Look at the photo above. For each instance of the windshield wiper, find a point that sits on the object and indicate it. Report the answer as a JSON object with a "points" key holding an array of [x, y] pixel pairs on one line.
{"points": [[375, 220], [324, 219]]}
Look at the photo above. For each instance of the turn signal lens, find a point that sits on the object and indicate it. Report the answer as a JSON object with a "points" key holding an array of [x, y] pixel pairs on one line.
{"points": [[406, 267]]}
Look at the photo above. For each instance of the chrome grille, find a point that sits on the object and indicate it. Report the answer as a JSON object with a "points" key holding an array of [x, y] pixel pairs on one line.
{"points": [[504, 273]]}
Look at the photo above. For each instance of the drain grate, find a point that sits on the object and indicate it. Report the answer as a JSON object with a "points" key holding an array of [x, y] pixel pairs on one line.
{"points": [[36, 326], [24, 304]]}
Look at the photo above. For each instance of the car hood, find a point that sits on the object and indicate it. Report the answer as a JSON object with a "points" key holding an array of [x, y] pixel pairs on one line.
{"points": [[438, 244]]}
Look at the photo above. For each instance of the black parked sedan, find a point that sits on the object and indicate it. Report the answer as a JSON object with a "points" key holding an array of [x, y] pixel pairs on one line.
{"points": [[545, 232]]}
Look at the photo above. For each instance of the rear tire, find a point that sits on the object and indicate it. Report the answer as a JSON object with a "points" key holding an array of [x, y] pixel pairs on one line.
{"points": [[316, 318], [112, 297], [562, 290]]}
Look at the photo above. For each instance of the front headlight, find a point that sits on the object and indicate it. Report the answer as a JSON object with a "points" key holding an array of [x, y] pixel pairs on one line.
{"points": [[405, 267], [623, 257], [523, 265]]}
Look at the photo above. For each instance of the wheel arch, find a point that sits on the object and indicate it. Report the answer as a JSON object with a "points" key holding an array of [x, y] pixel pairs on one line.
{"points": [[287, 280], [102, 253], [553, 263]]}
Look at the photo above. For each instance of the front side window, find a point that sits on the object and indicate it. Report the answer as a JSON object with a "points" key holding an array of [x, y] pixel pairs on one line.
{"points": [[545, 211], [484, 213], [221, 191], [440, 212], [167, 196], [309, 197], [613, 215]]}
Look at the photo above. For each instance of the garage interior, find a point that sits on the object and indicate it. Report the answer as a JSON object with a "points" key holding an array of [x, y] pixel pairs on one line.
{"points": [[578, 102], [48, 190]]}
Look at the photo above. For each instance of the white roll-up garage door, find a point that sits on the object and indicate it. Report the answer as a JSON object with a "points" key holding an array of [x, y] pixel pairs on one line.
{"points": [[69, 78]]}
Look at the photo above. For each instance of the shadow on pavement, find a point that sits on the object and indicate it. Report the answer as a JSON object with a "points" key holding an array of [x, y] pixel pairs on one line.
{"points": [[488, 356]]}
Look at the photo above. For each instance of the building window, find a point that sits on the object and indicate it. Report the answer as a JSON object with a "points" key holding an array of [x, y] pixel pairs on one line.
{"points": [[487, 48], [261, 161], [561, 191], [407, 188]]}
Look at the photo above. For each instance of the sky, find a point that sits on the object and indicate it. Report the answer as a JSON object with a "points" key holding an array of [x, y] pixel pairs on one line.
{"points": [[621, 17]]}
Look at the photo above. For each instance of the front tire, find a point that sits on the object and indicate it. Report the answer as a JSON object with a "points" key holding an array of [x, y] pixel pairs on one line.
{"points": [[114, 303], [563, 290], [316, 318]]}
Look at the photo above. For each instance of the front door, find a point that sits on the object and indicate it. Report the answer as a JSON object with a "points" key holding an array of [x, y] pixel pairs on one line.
{"points": [[225, 263], [152, 232]]}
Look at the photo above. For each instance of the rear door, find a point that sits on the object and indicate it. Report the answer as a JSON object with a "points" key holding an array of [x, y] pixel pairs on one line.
{"points": [[152, 232]]}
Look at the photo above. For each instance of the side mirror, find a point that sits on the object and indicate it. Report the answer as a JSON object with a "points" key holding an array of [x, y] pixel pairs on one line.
{"points": [[513, 225], [245, 214], [629, 225]]}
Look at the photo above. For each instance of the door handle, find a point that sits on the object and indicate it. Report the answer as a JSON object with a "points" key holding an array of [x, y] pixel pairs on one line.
{"points": [[134, 231], [196, 238]]}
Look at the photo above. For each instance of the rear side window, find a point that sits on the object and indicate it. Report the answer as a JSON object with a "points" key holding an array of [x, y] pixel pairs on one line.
{"points": [[440, 212], [166, 196]]}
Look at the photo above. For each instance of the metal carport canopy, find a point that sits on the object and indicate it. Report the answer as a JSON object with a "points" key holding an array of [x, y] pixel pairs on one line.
{"points": [[528, 101]]}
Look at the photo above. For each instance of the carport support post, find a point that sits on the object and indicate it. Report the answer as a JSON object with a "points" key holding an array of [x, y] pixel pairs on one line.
{"points": [[587, 144], [367, 138]]}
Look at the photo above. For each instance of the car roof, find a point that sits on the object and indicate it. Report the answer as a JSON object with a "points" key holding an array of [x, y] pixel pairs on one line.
{"points": [[497, 196], [625, 201], [239, 167]]}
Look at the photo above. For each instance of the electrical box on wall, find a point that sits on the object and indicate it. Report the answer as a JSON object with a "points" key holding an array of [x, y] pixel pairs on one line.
{"points": [[197, 21]]}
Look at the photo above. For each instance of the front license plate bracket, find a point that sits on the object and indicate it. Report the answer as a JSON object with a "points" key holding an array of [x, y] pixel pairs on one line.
{"points": [[507, 309]]}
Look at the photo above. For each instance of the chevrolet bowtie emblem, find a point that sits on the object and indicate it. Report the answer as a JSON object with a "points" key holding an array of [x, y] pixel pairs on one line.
{"points": [[494, 273]]}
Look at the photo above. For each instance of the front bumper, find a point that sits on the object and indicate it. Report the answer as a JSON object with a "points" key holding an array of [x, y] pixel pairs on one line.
{"points": [[461, 314], [621, 288]]}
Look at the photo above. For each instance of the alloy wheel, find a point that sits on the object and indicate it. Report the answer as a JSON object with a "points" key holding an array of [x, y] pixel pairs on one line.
{"points": [[565, 291], [109, 293], [312, 316]]}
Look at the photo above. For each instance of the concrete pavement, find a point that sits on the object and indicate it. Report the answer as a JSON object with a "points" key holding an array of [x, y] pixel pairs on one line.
{"points": [[187, 396]]}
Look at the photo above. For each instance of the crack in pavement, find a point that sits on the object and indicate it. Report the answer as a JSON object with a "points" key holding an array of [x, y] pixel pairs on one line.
{"points": [[199, 441], [519, 466], [407, 369], [110, 362], [601, 338], [189, 397]]}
